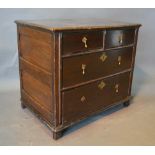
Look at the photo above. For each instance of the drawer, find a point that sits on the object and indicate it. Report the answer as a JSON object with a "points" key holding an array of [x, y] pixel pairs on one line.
{"points": [[84, 100], [115, 38], [95, 65], [73, 42]]}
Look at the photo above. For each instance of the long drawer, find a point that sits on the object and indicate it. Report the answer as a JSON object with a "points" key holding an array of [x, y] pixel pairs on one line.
{"points": [[83, 100], [95, 65]]}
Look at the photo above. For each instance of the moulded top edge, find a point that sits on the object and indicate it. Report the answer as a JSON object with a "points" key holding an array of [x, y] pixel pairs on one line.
{"points": [[73, 24]]}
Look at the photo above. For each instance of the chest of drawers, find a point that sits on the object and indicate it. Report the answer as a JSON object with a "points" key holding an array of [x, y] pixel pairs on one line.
{"points": [[72, 69]]}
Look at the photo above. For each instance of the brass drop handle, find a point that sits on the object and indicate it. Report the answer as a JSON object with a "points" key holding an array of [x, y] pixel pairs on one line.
{"points": [[117, 88], [83, 99], [84, 40], [119, 60], [83, 68], [120, 39], [101, 85], [103, 57]]}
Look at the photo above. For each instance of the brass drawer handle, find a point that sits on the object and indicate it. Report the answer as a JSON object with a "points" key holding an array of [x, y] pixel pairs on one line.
{"points": [[83, 99], [103, 57], [119, 60], [117, 88], [84, 40], [101, 85], [120, 39], [83, 68]]}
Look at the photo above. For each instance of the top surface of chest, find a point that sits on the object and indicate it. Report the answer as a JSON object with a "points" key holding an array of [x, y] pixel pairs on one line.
{"points": [[74, 24]]}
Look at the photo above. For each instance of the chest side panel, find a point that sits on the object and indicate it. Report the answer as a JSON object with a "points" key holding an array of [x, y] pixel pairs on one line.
{"points": [[35, 47], [35, 59]]}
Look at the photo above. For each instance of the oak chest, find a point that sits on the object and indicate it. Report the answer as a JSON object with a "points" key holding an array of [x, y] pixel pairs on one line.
{"points": [[72, 69]]}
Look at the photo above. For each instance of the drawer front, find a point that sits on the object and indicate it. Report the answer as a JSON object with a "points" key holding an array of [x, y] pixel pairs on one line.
{"points": [[82, 101], [73, 42], [95, 65], [115, 38]]}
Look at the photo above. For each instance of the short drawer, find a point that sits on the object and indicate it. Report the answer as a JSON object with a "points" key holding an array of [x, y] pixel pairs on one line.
{"points": [[82, 101], [73, 42], [115, 38], [95, 65]]}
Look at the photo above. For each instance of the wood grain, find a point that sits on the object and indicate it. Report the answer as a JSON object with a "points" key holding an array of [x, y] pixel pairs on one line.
{"points": [[95, 98], [72, 42], [36, 52], [37, 90], [95, 68], [75, 24], [40, 35], [113, 38], [37, 107], [36, 72]]}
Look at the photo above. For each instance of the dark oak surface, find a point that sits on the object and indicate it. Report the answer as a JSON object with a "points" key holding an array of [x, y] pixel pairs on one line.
{"points": [[35, 47], [72, 42], [36, 72], [94, 97], [113, 38], [75, 24], [64, 79], [95, 67], [37, 107]]}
